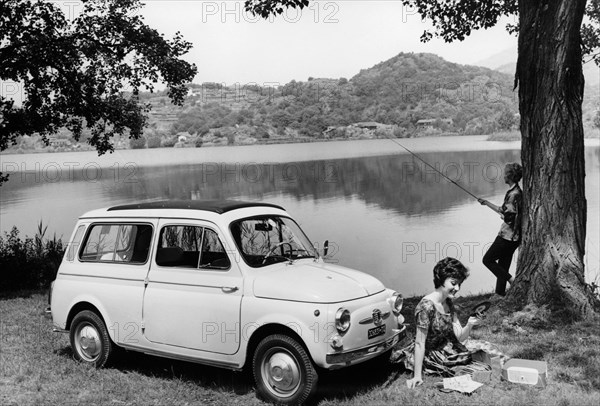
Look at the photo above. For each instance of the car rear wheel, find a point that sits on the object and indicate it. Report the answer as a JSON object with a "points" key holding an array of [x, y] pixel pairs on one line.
{"points": [[90, 341], [283, 371]]}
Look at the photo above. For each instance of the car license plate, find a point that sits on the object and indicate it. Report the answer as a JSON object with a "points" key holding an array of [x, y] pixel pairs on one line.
{"points": [[375, 332]]}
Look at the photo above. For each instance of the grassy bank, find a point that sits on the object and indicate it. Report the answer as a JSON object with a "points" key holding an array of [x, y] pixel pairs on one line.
{"points": [[36, 367]]}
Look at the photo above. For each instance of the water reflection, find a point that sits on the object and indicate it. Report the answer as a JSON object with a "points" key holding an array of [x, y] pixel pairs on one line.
{"points": [[398, 182]]}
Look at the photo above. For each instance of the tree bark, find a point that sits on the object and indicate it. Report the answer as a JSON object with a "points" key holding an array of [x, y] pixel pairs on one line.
{"points": [[549, 75]]}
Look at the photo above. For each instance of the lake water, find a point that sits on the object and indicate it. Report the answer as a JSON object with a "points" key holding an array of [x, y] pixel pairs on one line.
{"points": [[383, 211]]}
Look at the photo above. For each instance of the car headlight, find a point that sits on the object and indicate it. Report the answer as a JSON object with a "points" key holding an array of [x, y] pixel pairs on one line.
{"points": [[342, 320], [396, 301]]}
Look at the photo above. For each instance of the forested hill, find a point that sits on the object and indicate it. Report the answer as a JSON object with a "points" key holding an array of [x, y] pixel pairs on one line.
{"points": [[409, 87], [398, 92]]}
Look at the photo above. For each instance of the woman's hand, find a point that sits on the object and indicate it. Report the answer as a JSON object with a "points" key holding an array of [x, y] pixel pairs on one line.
{"points": [[492, 206], [474, 321], [414, 382]]}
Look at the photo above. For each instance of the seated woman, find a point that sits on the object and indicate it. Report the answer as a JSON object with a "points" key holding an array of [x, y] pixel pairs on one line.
{"points": [[438, 347]]}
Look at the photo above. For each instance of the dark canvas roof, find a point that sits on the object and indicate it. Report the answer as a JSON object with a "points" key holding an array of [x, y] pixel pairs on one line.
{"points": [[216, 206]]}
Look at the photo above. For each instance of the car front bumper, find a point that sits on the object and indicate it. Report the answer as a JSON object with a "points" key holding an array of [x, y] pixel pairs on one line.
{"points": [[346, 358]]}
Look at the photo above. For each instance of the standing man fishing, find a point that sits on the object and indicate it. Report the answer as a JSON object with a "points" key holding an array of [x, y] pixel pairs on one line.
{"points": [[499, 256]]}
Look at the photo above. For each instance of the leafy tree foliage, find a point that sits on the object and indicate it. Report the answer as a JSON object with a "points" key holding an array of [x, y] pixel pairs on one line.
{"points": [[85, 72], [266, 8], [138, 143], [507, 120], [590, 32], [455, 20]]}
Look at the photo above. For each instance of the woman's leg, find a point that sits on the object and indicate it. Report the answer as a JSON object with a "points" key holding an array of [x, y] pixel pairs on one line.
{"points": [[504, 261], [497, 255]]}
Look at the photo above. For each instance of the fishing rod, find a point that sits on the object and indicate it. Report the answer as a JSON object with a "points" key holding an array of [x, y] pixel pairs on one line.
{"points": [[432, 167]]}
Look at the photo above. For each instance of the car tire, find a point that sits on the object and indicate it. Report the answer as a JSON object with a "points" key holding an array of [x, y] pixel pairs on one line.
{"points": [[283, 371], [90, 341]]}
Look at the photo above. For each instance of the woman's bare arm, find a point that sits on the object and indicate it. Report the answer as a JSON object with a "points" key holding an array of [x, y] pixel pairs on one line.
{"points": [[462, 333], [419, 356]]}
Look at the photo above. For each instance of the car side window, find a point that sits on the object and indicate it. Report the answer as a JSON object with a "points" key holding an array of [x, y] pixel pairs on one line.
{"points": [[127, 243], [191, 247]]}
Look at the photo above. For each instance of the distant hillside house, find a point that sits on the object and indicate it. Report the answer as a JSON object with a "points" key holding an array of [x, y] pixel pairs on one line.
{"points": [[328, 132], [195, 91], [368, 125], [432, 122], [59, 142]]}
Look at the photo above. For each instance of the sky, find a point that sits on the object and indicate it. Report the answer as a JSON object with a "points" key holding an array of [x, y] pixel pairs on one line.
{"points": [[329, 39]]}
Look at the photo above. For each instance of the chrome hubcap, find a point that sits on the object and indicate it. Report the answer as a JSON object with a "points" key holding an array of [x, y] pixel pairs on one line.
{"points": [[281, 372], [88, 342]]}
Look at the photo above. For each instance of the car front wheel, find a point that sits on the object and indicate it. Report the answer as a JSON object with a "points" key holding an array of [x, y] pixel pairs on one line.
{"points": [[90, 341], [283, 371]]}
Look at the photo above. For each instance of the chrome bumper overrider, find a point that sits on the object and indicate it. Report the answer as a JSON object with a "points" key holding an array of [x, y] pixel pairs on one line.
{"points": [[348, 357]]}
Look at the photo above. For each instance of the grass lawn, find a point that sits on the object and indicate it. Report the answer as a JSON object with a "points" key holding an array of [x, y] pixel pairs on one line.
{"points": [[36, 367]]}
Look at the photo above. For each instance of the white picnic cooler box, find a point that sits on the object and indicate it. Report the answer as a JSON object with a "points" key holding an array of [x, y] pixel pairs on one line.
{"points": [[526, 372]]}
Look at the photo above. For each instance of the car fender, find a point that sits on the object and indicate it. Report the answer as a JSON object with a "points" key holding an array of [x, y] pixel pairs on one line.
{"points": [[306, 320]]}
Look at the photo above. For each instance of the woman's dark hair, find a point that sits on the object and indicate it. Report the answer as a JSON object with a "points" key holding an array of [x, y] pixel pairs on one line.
{"points": [[514, 171], [449, 268]]}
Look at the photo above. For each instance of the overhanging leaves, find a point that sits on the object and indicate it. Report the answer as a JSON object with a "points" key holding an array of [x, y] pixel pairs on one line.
{"points": [[86, 72]]}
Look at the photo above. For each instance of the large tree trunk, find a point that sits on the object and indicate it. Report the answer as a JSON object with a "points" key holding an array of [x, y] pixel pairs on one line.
{"points": [[550, 79]]}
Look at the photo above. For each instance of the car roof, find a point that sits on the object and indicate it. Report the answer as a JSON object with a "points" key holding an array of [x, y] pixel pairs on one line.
{"points": [[215, 206], [213, 210]]}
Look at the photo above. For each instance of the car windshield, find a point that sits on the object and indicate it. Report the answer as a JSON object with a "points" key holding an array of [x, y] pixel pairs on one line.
{"points": [[266, 240]]}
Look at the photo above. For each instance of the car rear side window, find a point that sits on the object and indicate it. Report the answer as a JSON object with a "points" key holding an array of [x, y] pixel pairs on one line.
{"points": [[74, 245], [127, 243], [191, 247]]}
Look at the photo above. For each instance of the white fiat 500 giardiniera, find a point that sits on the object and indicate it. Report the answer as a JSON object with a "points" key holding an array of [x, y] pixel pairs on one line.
{"points": [[226, 283]]}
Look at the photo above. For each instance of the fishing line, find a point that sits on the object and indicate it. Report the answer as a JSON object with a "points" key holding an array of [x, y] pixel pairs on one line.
{"points": [[432, 167]]}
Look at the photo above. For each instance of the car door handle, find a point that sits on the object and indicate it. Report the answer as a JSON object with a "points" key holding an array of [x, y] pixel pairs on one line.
{"points": [[229, 289]]}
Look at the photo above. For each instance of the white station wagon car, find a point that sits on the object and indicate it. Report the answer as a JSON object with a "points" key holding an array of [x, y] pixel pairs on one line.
{"points": [[226, 283]]}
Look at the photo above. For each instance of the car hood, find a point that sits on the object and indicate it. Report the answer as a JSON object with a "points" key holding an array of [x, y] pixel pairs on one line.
{"points": [[308, 281]]}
